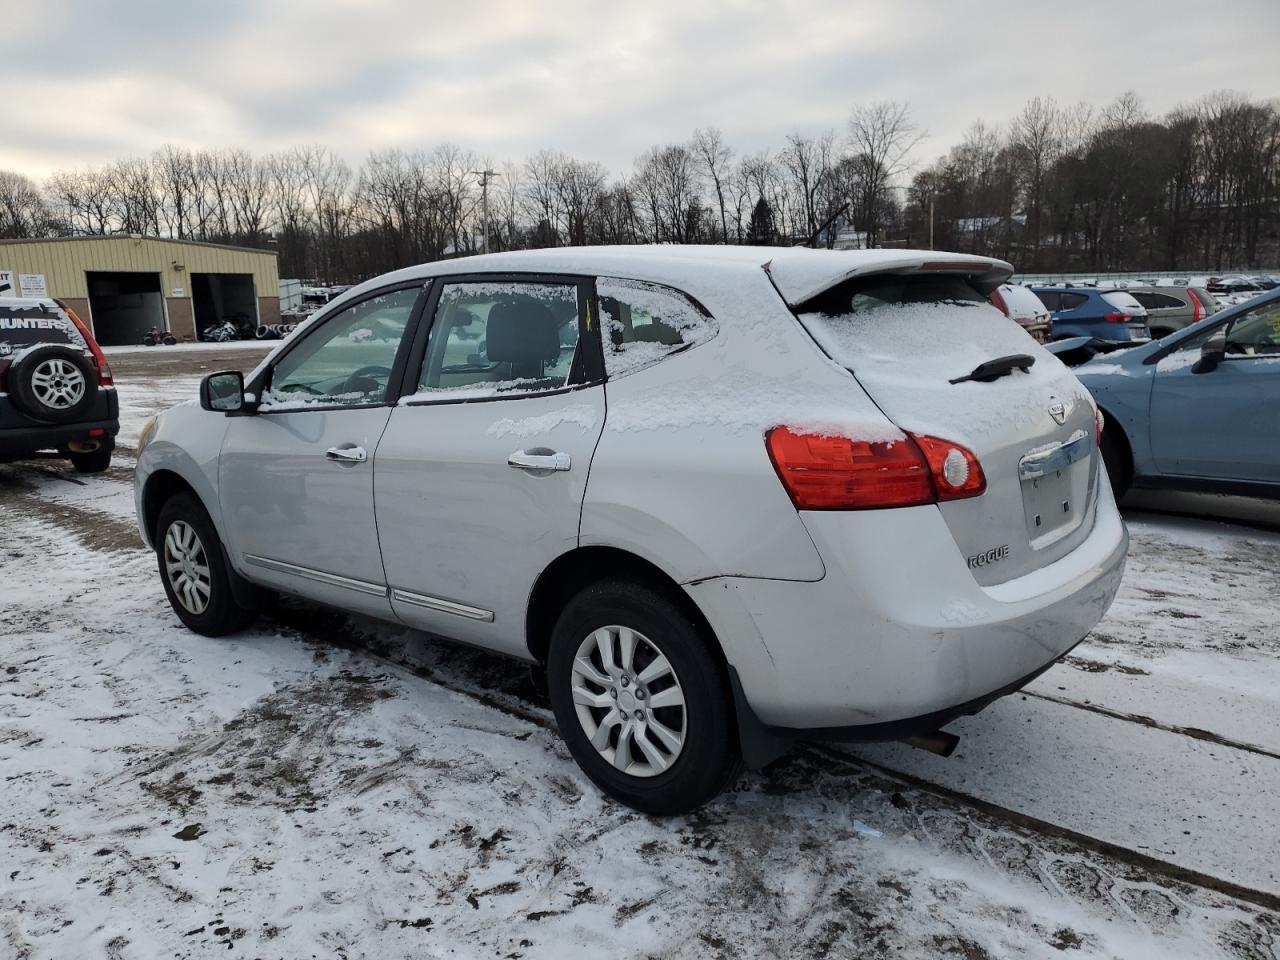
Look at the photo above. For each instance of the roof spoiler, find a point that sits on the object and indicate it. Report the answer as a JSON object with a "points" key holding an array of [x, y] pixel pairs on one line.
{"points": [[806, 274]]}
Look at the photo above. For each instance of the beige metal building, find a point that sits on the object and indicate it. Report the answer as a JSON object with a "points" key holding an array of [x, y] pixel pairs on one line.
{"points": [[124, 285]]}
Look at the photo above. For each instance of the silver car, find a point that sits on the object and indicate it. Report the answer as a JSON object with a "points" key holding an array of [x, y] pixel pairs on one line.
{"points": [[728, 497]]}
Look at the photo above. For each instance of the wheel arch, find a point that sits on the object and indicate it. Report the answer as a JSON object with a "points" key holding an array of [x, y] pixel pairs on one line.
{"points": [[577, 569], [161, 487], [1114, 423]]}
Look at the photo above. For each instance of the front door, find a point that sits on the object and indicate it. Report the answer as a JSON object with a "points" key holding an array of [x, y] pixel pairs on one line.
{"points": [[480, 475], [296, 478], [1224, 423]]}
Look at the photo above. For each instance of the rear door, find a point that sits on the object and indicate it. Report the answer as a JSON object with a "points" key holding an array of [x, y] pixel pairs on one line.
{"points": [[296, 478], [905, 339], [1224, 423], [481, 472]]}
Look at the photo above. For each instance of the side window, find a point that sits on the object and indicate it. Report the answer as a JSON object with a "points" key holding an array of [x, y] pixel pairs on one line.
{"points": [[1257, 333], [490, 339], [348, 360], [1072, 300], [1051, 300], [641, 323]]}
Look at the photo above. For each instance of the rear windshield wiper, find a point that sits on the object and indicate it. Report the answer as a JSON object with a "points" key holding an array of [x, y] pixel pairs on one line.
{"points": [[1000, 367]]}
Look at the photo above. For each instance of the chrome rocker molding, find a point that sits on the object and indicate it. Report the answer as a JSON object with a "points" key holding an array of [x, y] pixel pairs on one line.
{"points": [[443, 606], [332, 579], [372, 589]]}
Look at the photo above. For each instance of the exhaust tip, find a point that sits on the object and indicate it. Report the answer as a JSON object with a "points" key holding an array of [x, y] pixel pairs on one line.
{"points": [[940, 742], [83, 446]]}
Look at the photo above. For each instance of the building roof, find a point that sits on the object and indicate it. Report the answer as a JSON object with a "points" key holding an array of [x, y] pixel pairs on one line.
{"points": [[135, 237]]}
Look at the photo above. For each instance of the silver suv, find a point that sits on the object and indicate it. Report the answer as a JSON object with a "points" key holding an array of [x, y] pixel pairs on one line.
{"points": [[729, 497]]}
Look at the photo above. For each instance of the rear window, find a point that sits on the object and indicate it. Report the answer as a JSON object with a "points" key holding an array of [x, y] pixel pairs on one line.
{"points": [[910, 328], [1022, 303], [867, 294], [1123, 301], [28, 326]]}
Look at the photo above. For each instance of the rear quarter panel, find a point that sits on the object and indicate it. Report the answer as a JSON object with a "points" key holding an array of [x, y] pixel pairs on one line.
{"points": [[682, 476]]}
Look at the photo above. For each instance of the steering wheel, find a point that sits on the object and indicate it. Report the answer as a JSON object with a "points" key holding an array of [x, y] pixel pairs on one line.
{"points": [[352, 383], [1236, 347]]}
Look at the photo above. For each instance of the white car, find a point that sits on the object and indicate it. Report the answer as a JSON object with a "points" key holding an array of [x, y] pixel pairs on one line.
{"points": [[1023, 307], [728, 497]]}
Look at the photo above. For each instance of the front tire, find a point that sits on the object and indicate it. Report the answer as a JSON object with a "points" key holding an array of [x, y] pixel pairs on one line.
{"points": [[641, 699], [189, 555]]}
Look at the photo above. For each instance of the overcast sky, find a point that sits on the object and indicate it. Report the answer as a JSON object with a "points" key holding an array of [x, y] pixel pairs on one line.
{"points": [[86, 81]]}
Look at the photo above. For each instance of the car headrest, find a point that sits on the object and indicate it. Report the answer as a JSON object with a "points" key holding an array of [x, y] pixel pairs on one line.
{"points": [[522, 332]]}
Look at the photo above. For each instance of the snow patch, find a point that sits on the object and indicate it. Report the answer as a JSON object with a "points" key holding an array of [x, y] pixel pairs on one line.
{"points": [[582, 415]]}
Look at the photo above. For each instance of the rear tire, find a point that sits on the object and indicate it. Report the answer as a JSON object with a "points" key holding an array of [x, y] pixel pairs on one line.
{"points": [[678, 755], [1118, 460], [53, 384], [95, 462], [192, 569]]}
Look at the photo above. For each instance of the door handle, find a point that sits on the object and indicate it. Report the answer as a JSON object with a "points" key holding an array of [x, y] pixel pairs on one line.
{"points": [[539, 459], [347, 453]]}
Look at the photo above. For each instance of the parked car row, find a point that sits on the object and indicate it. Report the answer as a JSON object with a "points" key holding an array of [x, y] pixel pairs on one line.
{"points": [[1196, 409], [928, 487]]}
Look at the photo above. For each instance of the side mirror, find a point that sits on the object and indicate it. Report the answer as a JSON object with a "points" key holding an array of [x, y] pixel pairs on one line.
{"points": [[223, 392], [1212, 353]]}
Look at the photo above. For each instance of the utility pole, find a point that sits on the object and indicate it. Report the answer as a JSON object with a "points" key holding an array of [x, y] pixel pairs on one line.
{"points": [[931, 221], [485, 176]]}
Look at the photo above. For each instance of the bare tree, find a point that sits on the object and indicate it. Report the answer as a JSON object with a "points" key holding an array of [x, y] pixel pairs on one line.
{"points": [[714, 156], [881, 138], [23, 209]]}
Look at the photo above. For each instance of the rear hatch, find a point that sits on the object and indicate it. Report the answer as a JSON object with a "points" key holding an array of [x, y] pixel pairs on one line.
{"points": [[905, 337], [1127, 310]]}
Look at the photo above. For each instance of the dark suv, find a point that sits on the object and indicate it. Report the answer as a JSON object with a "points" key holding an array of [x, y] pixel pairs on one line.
{"points": [[56, 394]]}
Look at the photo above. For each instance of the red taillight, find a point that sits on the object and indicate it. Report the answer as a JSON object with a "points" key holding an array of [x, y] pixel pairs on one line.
{"points": [[1197, 308], [997, 301], [956, 471], [99, 358], [837, 473], [1117, 317]]}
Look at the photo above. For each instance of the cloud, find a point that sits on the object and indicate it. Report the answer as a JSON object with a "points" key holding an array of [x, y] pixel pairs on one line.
{"points": [[88, 82]]}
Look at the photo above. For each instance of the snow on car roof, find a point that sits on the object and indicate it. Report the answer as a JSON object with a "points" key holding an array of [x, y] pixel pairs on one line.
{"points": [[799, 273]]}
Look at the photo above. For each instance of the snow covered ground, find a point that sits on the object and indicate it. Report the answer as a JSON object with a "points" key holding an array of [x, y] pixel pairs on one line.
{"points": [[332, 787]]}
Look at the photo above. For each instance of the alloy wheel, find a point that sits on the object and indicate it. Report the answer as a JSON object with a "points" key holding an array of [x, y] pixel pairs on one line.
{"points": [[187, 567], [629, 701], [58, 383]]}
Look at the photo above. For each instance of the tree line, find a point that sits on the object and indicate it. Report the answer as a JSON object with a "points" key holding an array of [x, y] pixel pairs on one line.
{"points": [[1054, 189]]}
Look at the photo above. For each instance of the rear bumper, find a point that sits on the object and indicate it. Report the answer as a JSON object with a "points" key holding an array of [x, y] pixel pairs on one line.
{"points": [[899, 637], [20, 436], [21, 442]]}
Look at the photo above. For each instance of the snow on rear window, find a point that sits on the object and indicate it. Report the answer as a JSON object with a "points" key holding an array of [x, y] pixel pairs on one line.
{"points": [[642, 322], [1122, 301], [905, 355]]}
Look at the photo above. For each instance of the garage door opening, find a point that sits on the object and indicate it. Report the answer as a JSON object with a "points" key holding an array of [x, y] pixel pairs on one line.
{"points": [[124, 306], [224, 297]]}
